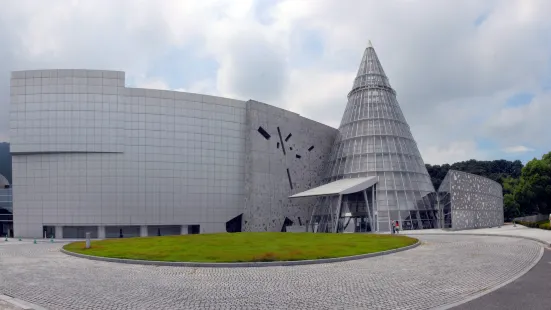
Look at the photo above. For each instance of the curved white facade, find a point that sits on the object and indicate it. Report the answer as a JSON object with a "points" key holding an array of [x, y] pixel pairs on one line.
{"points": [[89, 151], [90, 154]]}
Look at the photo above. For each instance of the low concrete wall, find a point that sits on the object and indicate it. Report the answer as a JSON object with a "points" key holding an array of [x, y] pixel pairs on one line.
{"points": [[295, 229], [532, 218]]}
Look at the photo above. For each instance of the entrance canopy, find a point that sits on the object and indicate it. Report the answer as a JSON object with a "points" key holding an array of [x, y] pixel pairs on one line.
{"points": [[339, 187]]}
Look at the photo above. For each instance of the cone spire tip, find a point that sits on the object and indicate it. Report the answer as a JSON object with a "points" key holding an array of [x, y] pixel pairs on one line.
{"points": [[369, 44]]}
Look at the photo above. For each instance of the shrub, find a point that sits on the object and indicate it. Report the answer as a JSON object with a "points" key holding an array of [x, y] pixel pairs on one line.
{"points": [[529, 224], [541, 224]]}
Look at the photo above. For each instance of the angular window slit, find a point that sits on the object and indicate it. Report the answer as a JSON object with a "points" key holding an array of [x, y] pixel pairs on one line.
{"points": [[264, 133], [298, 156], [289, 177], [288, 137], [310, 148], [281, 140]]}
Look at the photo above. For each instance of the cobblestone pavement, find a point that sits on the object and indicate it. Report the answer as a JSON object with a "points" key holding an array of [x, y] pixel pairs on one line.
{"points": [[443, 270], [6, 306], [505, 230]]}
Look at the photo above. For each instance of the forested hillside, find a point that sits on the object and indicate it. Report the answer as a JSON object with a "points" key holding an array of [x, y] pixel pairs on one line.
{"points": [[497, 170], [526, 190]]}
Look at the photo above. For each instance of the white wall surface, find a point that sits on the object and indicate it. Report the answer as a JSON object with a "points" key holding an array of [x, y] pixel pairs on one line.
{"points": [[89, 151]]}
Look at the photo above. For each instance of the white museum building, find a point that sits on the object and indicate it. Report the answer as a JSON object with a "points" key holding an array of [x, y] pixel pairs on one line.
{"points": [[90, 154]]}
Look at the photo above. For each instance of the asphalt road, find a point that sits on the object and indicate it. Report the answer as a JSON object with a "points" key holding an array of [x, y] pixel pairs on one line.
{"points": [[530, 292]]}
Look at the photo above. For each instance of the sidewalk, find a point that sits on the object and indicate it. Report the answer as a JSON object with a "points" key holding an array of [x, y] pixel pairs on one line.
{"points": [[536, 234], [15, 241]]}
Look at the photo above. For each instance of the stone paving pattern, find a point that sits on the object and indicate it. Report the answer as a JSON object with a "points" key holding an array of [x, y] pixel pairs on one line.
{"points": [[444, 269], [529, 292], [6, 306], [508, 229]]}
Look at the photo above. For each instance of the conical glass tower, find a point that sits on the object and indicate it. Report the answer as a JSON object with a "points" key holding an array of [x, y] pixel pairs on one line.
{"points": [[375, 140]]}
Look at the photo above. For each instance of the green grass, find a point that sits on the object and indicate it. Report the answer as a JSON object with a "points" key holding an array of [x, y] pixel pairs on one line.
{"points": [[242, 247]]}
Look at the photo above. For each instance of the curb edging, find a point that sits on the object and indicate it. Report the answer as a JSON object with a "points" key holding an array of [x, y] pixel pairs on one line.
{"points": [[239, 265], [482, 235], [488, 291], [18, 303], [493, 289]]}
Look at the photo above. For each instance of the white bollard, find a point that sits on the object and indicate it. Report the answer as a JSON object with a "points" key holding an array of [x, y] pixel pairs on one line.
{"points": [[87, 240]]}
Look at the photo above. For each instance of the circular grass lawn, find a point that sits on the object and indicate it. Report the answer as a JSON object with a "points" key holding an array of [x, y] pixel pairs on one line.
{"points": [[242, 247]]}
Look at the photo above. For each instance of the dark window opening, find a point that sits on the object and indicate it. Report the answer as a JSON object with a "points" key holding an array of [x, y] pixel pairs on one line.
{"points": [[234, 225], [286, 222], [310, 148], [49, 231], [79, 232], [289, 177], [299, 221], [264, 133], [6, 186], [291, 148], [278, 145], [288, 137], [193, 229], [298, 156]]}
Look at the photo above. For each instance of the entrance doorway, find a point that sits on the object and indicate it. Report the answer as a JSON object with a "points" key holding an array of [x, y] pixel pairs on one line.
{"points": [[193, 229], [48, 231]]}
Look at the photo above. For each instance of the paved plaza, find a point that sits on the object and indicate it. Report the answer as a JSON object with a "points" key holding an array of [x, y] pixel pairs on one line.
{"points": [[443, 270], [540, 235]]}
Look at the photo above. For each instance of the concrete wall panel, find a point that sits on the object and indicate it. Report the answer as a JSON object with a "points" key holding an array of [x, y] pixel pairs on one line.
{"points": [[87, 150], [269, 157]]}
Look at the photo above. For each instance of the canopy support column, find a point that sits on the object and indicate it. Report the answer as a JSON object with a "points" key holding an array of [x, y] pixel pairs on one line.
{"points": [[368, 210]]}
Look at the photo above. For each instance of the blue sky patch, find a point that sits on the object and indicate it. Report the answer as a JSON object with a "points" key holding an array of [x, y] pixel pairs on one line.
{"points": [[261, 10], [546, 80], [486, 144], [309, 48], [519, 99], [481, 19]]}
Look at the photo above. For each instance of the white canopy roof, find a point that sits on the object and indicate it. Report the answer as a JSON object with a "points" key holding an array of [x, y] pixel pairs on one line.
{"points": [[339, 187]]}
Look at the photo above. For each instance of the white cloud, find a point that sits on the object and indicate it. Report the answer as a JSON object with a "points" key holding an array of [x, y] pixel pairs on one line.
{"points": [[452, 152], [151, 83], [452, 77], [517, 149], [527, 124]]}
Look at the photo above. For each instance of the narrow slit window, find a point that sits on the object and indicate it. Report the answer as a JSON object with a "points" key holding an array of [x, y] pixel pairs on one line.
{"points": [[289, 177], [264, 133], [281, 140]]}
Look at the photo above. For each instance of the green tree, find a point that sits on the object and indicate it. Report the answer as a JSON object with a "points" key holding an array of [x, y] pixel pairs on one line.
{"points": [[533, 191], [497, 170], [511, 208]]}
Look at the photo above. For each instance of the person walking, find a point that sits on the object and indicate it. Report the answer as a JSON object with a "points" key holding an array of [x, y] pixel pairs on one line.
{"points": [[397, 228]]}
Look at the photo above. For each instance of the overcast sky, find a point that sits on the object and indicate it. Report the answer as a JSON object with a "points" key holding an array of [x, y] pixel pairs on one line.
{"points": [[473, 77]]}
